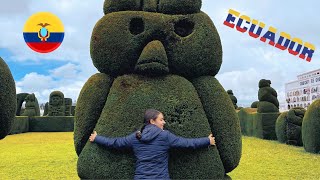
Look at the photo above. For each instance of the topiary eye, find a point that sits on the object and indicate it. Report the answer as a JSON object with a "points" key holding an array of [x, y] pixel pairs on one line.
{"points": [[136, 26], [183, 27]]}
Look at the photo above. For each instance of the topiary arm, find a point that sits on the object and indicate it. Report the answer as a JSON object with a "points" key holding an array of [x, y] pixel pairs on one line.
{"points": [[89, 106], [223, 120]]}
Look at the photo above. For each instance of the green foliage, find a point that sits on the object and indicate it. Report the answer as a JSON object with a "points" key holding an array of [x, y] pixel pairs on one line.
{"points": [[115, 50], [90, 103], [20, 99], [265, 125], [254, 104], [233, 99], [20, 125], [294, 122], [180, 7], [46, 107], [51, 123], [31, 106], [56, 106], [281, 127], [266, 107], [222, 118], [183, 110], [310, 128], [267, 97], [8, 99], [247, 116], [163, 6], [68, 105]]}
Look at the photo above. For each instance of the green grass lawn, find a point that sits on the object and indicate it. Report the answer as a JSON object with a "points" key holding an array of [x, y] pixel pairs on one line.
{"points": [[52, 156]]}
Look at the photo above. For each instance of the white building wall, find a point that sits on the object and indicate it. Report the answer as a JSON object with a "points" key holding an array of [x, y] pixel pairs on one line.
{"points": [[305, 90]]}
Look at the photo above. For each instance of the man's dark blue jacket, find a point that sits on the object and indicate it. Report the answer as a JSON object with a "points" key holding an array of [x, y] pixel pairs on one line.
{"points": [[151, 150]]}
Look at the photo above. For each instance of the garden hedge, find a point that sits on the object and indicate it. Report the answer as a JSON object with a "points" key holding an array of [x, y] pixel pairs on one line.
{"points": [[8, 99], [311, 128], [51, 124], [20, 125], [247, 116], [265, 126], [20, 99]]}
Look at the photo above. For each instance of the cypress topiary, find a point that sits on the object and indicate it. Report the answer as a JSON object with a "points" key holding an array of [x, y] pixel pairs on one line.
{"points": [[267, 96], [294, 123], [281, 127], [140, 54], [254, 104], [310, 128], [32, 106], [233, 98], [56, 106], [46, 107], [68, 105], [8, 99], [20, 99]]}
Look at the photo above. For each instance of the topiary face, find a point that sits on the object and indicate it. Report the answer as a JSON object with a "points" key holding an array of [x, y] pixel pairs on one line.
{"points": [[56, 98], [178, 39]]}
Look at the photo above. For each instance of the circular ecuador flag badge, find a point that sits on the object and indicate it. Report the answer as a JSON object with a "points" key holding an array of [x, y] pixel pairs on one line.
{"points": [[43, 32]]}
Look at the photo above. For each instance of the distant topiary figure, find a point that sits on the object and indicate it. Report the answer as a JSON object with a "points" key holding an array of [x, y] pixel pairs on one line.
{"points": [[267, 96], [294, 123], [32, 106], [254, 104], [162, 55], [310, 128], [56, 104], [73, 110], [8, 99], [20, 99], [68, 104], [233, 99], [281, 127], [46, 107]]}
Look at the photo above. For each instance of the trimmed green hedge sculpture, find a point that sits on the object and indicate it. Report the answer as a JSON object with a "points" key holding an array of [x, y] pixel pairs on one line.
{"points": [[20, 99], [68, 105], [32, 106], [254, 104], [166, 61], [310, 128], [8, 99], [281, 127], [268, 102], [233, 98], [56, 106]]}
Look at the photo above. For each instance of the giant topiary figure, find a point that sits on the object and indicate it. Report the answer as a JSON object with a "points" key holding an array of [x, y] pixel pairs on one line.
{"points": [[8, 100], [233, 99], [281, 127], [32, 106], [267, 96], [162, 55], [310, 128], [56, 104]]}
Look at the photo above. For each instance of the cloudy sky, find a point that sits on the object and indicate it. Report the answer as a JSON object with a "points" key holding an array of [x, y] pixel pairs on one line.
{"points": [[245, 60]]}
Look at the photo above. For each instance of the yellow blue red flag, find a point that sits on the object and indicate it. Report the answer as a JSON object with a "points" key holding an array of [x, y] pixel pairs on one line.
{"points": [[43, 32]]}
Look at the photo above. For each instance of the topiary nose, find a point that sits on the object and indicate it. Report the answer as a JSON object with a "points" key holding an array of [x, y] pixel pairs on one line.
{"points": [[153, 60]]}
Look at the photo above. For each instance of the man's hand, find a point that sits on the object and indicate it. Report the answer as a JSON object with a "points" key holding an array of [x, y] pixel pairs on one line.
{"points": [[212, 141], [93, 136]]}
